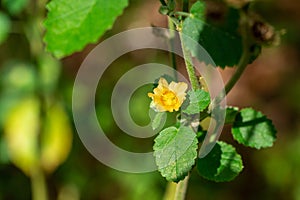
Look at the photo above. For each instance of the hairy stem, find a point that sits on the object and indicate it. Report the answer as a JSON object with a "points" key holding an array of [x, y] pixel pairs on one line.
{"points": [[190, 68], [171, 47], [187, 59]]}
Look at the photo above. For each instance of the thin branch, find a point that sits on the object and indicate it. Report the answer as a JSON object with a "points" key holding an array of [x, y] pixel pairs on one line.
{"points": [[181, 188], [171, 46], [244, 61]]}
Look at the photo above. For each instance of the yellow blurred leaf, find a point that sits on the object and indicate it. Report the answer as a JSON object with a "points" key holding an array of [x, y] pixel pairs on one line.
{"points": [[206, 122], [56, 140], [21, 131]]}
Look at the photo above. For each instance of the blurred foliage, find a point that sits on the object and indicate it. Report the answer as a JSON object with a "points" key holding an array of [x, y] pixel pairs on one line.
{"points": [[5, 27], [35, 103]]}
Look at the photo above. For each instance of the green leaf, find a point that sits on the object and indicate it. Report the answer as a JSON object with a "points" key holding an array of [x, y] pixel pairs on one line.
{"points": [[14, 7], [72, 24], [223, 163], [252, 129], [193, 26], [164, 10], [231, 113], [198, 10], [175, 151], [4, 27], [219, 38], [171, 5], [158, 119], [198, 101]]}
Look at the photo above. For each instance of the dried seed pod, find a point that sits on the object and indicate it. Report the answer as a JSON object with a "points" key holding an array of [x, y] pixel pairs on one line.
{"points": [[263, 33]]}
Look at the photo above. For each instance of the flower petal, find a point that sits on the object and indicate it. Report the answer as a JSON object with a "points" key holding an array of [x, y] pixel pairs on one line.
{"points": [[163, 82], [178, 88], [168, 97]]}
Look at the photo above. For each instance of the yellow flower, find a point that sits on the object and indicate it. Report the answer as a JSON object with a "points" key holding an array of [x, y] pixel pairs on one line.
{"points": [[168, 97]]}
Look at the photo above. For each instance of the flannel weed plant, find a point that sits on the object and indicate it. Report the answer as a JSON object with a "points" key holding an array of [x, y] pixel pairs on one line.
{"points": [[233, 36], [230, 31]]}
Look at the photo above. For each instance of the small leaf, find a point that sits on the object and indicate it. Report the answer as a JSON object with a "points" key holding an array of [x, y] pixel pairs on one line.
{"points": [[220, 38], [72, 24], [164, 10], [4, 27], [198, 101], [158, 119], [252, 129], [231, 113], [223, 163], [175, 151]]}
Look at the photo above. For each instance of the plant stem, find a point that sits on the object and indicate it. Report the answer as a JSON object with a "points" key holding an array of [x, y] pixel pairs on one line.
{"points": [[189, 67], [181, 188], [185, 14], [243, 63], [38, 185], [171, 47], [188, 59], [240, 69], [170, 191], [188, 64], [33, 31], [174, 20], [203, 115], [177, 191], [163, 2]]}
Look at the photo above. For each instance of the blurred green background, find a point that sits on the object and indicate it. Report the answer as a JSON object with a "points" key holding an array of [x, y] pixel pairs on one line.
{"points": [[39, 146]]}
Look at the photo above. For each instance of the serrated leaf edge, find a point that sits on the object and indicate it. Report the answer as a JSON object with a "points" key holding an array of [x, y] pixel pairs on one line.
{"points": [[271, 126]]}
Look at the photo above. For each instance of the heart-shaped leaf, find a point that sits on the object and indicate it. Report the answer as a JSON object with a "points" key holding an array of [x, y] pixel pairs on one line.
{"points": [[175, 150]]}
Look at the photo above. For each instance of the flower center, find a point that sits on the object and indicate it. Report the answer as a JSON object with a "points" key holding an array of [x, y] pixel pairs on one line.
{"points": [[169, 98]]}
